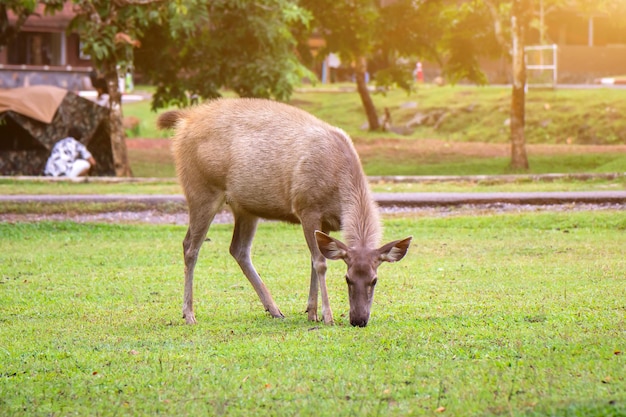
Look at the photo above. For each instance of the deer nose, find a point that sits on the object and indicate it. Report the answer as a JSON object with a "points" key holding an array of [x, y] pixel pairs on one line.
{"points": [[358, 322]]}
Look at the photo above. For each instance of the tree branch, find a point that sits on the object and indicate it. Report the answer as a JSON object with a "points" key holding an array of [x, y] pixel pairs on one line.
{"points": [[122, 3], [497, 25]]}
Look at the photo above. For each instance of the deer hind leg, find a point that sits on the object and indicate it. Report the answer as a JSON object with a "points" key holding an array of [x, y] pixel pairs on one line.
{"points": [[318, 272], [240, 246], [201, 214]]}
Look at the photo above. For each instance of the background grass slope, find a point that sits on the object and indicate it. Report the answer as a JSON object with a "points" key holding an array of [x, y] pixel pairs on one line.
{"points": [[474, 114], [568, 118]]}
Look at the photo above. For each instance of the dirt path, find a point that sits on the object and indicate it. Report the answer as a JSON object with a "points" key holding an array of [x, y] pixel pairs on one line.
{"points": [[425, 147], [181, 218]]}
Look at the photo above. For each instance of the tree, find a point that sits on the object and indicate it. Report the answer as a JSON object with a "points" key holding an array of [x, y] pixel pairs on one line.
{"points": [[348, 28], [109, 31], [22, 10], [363, 30], [519, 14], [245, 46]]}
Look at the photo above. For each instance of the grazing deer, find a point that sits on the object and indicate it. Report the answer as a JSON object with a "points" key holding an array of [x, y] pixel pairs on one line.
{"points": [[273, 161]]}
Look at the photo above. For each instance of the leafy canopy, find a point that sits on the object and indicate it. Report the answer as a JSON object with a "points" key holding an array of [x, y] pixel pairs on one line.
{"points": [[199, 47]]}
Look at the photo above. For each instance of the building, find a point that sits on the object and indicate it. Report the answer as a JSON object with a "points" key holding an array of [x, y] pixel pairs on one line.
{"points": [[43, 53]]}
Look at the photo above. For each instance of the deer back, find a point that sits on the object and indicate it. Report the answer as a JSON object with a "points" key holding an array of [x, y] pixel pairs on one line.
{"points": [[271, 159]]}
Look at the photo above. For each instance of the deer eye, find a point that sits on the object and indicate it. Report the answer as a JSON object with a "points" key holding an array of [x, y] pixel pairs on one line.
{"points": [[348, 280], [374, 281]]}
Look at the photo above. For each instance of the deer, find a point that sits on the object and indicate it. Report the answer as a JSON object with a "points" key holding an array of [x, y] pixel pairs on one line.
{"points": [[269, 160]]}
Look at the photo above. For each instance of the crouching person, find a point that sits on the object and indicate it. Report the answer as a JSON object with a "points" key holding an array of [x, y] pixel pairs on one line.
{"points": [[69, 158]]}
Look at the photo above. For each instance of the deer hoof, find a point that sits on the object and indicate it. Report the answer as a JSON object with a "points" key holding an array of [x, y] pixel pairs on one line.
{"points": [[312, 315], [189, 318], [276, 313]]}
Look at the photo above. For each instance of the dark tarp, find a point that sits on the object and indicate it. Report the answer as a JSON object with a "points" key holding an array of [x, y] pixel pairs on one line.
{"points": [[25, 142]]}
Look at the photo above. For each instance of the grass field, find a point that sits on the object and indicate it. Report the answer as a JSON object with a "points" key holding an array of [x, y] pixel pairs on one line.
{"points": [[567, 130], [519, 314], [474, 114], [10, 186]]}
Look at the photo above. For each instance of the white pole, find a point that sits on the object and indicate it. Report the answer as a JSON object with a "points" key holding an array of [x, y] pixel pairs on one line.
{"points": [[555, 63], [63, 49]]}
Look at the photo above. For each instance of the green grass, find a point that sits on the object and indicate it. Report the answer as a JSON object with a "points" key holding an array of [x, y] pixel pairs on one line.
{"points": [[159, 164], [479, 114], [496, 315], [9, 186], [475, 114], [151, 163], [460, 165]]}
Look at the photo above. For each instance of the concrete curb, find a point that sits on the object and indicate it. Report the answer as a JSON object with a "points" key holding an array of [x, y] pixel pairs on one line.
{"points": [[522, 198], [490, 179], [497, 179], [383, 199]]}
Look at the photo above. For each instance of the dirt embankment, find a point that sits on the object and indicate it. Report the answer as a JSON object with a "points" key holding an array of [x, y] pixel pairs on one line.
{"points": [[425, 147]]}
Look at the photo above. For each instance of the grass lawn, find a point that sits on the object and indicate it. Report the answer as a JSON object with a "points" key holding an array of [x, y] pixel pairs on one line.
{"points": [[474, 114], [567, 131], [10, 186], [518, 314]]}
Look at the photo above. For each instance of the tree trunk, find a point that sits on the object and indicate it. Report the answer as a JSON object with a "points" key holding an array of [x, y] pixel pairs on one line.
{"points": [[118, 139], [519, 159], [366, 99]]}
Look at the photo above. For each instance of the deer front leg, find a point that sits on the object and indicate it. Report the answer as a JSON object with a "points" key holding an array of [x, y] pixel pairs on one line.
{"points": [[310, 224], [320, 269], [311, 308]]}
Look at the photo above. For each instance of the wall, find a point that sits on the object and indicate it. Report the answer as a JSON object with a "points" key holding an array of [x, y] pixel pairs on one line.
{"points": [[576, 64], [73, 79], [584, 64]]}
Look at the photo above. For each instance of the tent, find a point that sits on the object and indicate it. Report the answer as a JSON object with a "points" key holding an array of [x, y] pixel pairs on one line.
{"points": [[33, 119]]}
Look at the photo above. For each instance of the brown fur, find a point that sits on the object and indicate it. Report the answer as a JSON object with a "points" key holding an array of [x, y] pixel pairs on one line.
{"points": [[270, 160]]}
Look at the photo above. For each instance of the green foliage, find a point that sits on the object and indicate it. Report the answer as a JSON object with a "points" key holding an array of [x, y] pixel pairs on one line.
{"points": [[495, 315], [468, 38], [347, 27], [246, 47], [400, 75]]}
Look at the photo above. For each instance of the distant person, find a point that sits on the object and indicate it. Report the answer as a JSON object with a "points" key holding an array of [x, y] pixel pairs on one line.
{"points": [[69, 158], [103, 98], [100, 84], [418, 73]]}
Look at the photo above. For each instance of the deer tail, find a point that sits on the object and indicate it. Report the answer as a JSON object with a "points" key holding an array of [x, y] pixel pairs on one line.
{"points": [[169, 119]]}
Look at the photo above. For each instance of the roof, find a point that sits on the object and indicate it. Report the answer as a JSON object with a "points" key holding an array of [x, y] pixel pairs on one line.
{"points": [[39, 102]]}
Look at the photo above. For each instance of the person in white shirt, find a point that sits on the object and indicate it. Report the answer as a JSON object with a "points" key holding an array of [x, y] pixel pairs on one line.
{"points": [[69, 158]]}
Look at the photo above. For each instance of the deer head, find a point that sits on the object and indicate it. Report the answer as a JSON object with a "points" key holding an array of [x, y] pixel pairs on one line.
{"points": [[362, 265]]}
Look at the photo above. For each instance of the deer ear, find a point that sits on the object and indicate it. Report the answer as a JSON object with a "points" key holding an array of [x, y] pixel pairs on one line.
{"points": [[331, 248], [394, 251]]}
